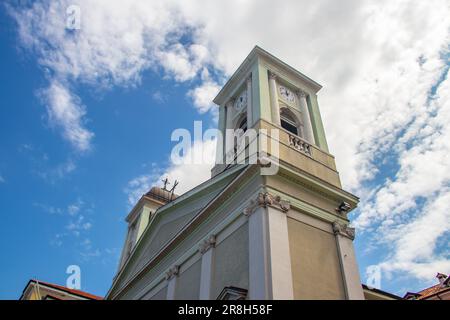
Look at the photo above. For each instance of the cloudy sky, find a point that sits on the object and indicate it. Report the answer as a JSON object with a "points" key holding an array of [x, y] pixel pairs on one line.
{"points": [[88, 107]]}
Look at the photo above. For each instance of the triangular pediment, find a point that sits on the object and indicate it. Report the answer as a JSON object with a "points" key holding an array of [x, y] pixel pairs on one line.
{"points": [[168, 221]]}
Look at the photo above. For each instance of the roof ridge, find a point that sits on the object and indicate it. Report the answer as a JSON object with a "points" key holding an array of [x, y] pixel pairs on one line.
{"points": [[73, 291]]}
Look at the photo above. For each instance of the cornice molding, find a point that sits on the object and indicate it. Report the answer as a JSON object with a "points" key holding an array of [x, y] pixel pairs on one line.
{"points": [[259, 54], [334, 193]]}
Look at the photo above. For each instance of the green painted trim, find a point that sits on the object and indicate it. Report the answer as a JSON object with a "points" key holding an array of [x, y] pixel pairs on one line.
{"points": [[143, 223], [261, 97], [317, 124]]}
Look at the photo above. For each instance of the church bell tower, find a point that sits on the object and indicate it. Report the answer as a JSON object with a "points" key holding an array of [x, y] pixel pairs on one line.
{"points": [[273, 226], [299, 233]]}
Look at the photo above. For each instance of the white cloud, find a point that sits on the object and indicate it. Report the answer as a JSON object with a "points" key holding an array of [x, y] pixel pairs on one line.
{"points": [[159, 97], [186, 170], [75, 208], [78, 225], [183, 63], [189, 172], [58, 172], [411, 212], [2, 180], [202, 96], [65, 110], [139, 186], [75, 225], [74, 218], [57, 240], [378, 62]]}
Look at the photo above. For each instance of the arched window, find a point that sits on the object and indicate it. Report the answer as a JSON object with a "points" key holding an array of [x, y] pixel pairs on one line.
{"points": [[289, 122], [243, 124]]}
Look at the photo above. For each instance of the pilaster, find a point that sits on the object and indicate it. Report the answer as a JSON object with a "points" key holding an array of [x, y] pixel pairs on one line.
{"points": [[350, 273], [275, 107], [306, 119], [171, 278], [206, 249]]}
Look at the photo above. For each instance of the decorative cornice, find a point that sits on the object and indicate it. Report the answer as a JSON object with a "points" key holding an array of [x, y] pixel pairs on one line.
{"points": [[310, 186], [172, 272], [343, 230], [267, 200], [207, 244]]}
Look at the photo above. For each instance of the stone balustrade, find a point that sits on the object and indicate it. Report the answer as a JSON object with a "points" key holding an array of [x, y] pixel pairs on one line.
{"points": [[300, 145]]}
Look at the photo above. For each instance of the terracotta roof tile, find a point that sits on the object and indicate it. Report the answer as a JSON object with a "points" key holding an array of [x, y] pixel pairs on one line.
{"points": [[440, 287]]}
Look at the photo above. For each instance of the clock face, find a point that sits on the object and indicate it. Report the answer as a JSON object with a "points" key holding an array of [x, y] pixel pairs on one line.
{"points": [[241, 101], [287, 94]]}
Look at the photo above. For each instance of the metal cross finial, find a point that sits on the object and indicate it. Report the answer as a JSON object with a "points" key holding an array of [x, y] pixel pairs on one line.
{"points": [[174, 186], [172, 191], [166, 182]]}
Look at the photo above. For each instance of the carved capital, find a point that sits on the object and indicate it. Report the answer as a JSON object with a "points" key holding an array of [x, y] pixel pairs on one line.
{"points": [[230, 103], [272, 76], [265, 200], [249, 79], [343, 230], [172, 272], [301, 94], [206, 244]]}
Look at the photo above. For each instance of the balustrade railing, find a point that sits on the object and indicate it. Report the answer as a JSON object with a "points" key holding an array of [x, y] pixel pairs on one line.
{"points": [[300, 144]]}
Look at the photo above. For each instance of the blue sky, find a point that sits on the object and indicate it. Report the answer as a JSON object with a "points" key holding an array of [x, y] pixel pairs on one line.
{"points": [[132, 131], [86, 117]]}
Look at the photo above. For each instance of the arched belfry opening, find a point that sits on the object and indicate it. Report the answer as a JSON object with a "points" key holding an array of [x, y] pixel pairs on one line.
{"points": [[242, 124], [290, 122]]}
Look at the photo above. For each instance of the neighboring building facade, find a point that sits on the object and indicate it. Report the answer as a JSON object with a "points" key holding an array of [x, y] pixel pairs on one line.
{"points": [[440, 291], [40, 290], [244, 234]]}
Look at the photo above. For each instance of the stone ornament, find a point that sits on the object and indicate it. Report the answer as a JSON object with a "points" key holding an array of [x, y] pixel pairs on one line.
{"points": [[206, 244], [272, 76], [301, 94], [343, 230], [172, 272], [267, 200]]}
